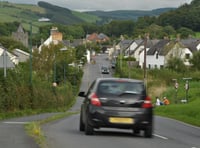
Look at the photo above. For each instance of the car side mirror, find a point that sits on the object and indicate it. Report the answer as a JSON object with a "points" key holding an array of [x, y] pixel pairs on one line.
{"points": [[81, 94]]}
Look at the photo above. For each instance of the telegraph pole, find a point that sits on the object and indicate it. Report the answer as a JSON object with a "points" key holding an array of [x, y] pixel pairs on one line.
{"points": [[145, 57], [30, 44]]}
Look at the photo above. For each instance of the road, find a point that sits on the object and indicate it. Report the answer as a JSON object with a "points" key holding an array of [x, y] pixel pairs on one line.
{"points": [[12, 132], [167, 132]]}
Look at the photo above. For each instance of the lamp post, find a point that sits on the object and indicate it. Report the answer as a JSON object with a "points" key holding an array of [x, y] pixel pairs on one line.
{"points": [[145, 57], [64, 69], [30, 46]]}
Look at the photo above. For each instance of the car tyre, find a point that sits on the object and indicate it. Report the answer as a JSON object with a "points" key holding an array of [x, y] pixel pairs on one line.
{"points": [[88, 128], [81, 124], [148, 132], [136, 131]]}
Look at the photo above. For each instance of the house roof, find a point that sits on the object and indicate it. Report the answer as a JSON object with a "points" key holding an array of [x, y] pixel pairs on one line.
{"points": [[159, 47], [125, 43], [10, 61], [22, 52], [191, 44], [20, 29], [150, 43], [96, 37]]}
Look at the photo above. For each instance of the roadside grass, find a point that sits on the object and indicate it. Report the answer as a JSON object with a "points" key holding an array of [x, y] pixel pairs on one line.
{"points": [[188, 113], [27, 112], [33, 129], [197, 34]]}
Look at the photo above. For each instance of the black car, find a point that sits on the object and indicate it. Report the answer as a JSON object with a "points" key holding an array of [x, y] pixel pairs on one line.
{"points": [[105, 70], [116, 103]]}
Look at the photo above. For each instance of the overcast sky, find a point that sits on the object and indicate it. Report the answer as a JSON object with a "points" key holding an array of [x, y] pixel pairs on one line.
{"points": [[108, 5]]}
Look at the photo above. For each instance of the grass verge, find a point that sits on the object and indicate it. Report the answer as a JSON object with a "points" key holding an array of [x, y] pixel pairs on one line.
{"points": [[188, 113], [33, 129]]}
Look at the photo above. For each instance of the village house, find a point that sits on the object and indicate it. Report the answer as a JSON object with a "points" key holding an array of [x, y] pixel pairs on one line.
{"points": [[131, 48], [94, 37], [22, 55], [55, 38], [138, 53], [159, 54]]}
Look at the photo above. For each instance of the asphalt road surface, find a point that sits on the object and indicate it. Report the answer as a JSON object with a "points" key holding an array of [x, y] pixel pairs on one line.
{"points": [[167, 132]]}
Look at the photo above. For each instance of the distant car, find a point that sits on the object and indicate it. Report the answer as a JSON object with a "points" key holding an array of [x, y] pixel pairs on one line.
{"points": [[105, 70], [116, 103], [113, 65]]}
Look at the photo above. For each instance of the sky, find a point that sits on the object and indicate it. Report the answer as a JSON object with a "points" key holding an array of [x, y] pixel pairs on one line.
{"points": [[109, 5]]}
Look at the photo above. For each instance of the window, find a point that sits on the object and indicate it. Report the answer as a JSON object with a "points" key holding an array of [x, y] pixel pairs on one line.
{"points": [[187, 55], [116, 88], [149, 66], [156, 55]]}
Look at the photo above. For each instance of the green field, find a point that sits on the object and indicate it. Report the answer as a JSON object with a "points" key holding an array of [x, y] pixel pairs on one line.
{"points": [[22, 13], [187, 112]]}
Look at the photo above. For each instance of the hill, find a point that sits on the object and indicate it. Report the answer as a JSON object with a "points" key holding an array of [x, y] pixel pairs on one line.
{"points": [[26, 13], [128, 14], [186, 15], [31, 13]]}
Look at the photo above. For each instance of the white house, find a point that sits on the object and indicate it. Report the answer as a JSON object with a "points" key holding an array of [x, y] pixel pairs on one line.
{"points": [[55, 37], [158, 55], [7, 60], [155, 57], [138, 53], [131, 47]]}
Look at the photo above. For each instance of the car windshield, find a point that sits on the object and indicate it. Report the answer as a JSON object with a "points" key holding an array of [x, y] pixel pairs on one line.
{"points": [[120, 88]]}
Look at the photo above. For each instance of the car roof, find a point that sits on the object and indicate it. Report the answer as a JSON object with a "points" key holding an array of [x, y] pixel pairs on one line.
{"points": [[119, 79]]}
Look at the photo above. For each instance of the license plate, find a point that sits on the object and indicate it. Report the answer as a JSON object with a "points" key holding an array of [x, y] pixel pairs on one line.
{"points": [[121, 120]]}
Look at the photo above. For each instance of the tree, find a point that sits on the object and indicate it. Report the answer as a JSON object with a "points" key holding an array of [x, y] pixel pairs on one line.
{"points": [[196, 60], [176, 64], [185, 32], [155, 31], [43, 60], [169, 30]]}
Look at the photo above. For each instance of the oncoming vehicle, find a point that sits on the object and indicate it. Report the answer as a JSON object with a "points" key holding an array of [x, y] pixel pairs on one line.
{"points": [[105, 70], [116, 103]]}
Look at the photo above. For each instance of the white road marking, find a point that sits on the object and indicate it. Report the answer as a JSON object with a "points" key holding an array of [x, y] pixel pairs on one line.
{"points": [[162, 137], [16, 122]]}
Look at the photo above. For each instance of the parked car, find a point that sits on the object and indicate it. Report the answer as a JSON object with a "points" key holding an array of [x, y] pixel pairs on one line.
{"points": [[116, 103], [105, 70], [113, 64]]}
